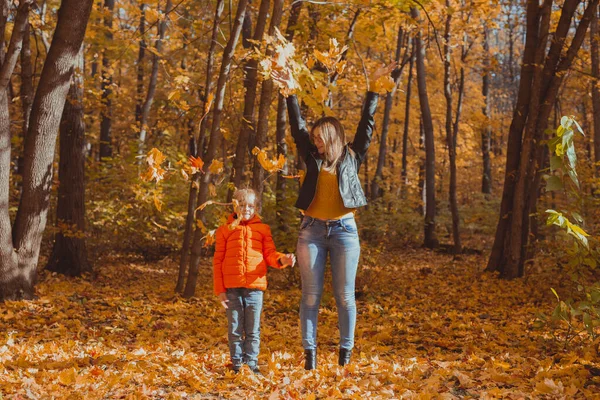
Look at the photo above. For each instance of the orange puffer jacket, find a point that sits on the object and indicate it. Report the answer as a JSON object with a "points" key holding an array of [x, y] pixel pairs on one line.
{"points": [[242, 255]]}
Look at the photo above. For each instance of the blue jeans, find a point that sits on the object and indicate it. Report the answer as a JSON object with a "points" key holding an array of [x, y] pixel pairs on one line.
{"points": [[317, 238], [243, 317]]}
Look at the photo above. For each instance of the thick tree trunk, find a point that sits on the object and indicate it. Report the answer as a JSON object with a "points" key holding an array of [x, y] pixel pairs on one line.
{"points": [[248, 121], [376, 190], [266, 98], [214, 142], [404, 171], [145, 117], [8, 257], [140, 65], [515, 134], [18, 267], [595, 56], [195, 181], [544, 89], [69, 255], [486, 133], [430, 239], [106, 86]]}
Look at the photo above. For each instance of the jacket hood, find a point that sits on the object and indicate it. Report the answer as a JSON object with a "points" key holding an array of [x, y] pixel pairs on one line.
{"points": [[254, 220]]}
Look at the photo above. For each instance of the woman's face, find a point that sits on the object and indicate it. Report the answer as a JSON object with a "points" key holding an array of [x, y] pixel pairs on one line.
{"points": [[247, 208], [318, 141]]}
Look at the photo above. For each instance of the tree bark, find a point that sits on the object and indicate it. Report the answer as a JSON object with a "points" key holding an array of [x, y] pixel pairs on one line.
{"points": [[69, 254], [430, 239], [404, 171], [595, 56], [19, 258], [248, 121], [195, 183], [162, 29], [214, 141], [26, 89], [486, 133], [266, 98], [544, 88], [106, 86], [140, 65], [515, 136]]}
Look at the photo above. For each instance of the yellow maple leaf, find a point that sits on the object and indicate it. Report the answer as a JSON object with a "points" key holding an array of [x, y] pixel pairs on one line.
{"points": [[196, 164], [67, 377], [216, 167], [270, 165], [155, 172]]}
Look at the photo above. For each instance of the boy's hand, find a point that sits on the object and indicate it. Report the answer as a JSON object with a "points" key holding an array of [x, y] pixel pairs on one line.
{"points": [[223, 300], [288, 259]]}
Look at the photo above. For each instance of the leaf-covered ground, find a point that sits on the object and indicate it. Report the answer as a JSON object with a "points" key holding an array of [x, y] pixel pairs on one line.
{"points": [[428, 327]]}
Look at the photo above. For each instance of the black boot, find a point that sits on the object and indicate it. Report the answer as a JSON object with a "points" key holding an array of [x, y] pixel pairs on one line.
{"points": [[310, 359], [345, 355]]}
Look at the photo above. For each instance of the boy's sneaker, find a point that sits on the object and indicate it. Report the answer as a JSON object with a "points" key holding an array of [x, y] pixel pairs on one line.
{"points": [[235, 368], [255, 369]]}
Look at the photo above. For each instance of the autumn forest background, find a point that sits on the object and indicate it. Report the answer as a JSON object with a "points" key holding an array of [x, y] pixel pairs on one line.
{"points": [[125, 126]]}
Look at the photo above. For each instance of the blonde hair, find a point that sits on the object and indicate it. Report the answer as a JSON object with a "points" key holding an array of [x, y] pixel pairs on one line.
{"points": [[241, 196], [332, 133], [244, 196]]}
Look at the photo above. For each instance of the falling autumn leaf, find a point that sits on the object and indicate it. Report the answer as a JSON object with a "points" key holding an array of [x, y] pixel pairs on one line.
{"points": [[155, 172], [270, 165]]}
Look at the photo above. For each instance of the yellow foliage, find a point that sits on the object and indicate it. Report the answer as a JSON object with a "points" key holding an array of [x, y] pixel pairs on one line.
{"points": [[155, 172], [270, 165]]}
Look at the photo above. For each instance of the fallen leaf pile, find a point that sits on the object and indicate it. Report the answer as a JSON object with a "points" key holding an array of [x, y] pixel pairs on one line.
{"points": [[428, 327]]}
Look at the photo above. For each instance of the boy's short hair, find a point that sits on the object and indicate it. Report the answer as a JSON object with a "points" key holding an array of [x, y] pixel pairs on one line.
{"points": [[244, 196]]}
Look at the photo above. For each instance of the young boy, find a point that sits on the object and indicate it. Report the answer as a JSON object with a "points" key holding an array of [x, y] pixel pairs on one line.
{"points": [[244, 249]]}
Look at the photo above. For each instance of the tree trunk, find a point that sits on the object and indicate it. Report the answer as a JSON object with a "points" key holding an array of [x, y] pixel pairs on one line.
{"points": [[266, 98], [595, 56], [280, 133], [430, 239], [404, 171], [486, 133], [214, 141], [162, 29], [106, 86], [376, 190], [513, 235], [69, 255], [195, 181], [140, 65], [422, 163], [19, 258], [26, 89], [248, 121]]}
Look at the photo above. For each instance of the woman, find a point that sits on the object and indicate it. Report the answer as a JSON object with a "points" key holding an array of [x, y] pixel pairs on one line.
{"points": [[329, 196]]}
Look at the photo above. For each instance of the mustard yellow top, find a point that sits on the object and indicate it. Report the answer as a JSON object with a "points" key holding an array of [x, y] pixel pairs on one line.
{"points": [[327, 203]]}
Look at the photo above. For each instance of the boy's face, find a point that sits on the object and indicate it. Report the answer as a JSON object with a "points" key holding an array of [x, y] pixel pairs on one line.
{"points": [[247, 207]]}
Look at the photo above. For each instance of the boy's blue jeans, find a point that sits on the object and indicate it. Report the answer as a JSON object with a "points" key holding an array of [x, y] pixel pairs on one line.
{"points": [[243, 317], [316, 239]]}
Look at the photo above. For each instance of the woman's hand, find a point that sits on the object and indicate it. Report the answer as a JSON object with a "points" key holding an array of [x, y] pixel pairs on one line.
{"points": [[284, 79], [384, 70], [223, 300], [288, 259]]}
